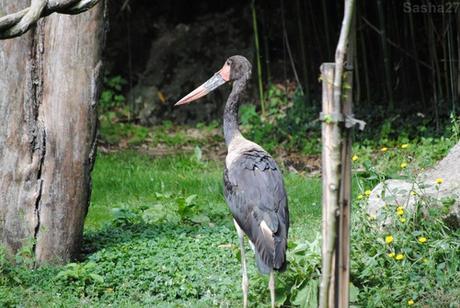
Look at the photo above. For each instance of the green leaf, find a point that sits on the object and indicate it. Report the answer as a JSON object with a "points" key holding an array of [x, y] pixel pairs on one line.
{"points": [[97, 278], [200, 219], [190, 200], [354, 292], [307, 296]]}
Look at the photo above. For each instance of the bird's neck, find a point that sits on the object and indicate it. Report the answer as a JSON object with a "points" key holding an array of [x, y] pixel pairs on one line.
{"points": [[231, 127]]}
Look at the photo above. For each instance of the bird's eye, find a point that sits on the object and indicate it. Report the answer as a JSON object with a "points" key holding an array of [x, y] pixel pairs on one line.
{"points": [[229, 62]]}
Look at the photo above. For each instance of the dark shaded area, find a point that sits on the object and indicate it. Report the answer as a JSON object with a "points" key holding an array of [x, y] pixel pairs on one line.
{"points": [[406, 54]]}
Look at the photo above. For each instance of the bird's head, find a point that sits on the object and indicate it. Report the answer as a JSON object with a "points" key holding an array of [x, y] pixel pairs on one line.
{"points": [[236, 68]]}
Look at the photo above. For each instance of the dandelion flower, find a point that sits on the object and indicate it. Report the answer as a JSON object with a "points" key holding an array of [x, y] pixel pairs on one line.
{"points": [[399, 257], [355, 158], [439, 181], [367, 192], [360, 197], [403, 165], [388, 239], [402, 219], [404, 146], [391, 254], [413, 193], [384, 149], [400, 210], [410, 302], [422, 239]]}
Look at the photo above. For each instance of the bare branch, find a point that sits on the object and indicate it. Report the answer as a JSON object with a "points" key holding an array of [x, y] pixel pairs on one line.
{"points": [[18, 23]]}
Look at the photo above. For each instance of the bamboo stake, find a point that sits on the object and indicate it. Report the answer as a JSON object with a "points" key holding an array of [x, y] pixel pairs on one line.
{"points": [[445, 56], [435, 75], [326, 26], [288, 48], [451, 59], [331, 160], [366, 66], [354, 60], [343, 236], [386, 59], [417, 66], [330, 174], [438, 95], [259, 66], [458, 59], [265, 31], [303, 53], [341, 52]]}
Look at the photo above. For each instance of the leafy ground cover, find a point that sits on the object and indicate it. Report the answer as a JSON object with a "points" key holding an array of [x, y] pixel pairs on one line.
{"points": [[158, 233]]}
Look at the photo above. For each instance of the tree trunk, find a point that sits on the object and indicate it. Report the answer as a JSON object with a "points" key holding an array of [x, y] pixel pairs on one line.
{"points": [[48, 93]]}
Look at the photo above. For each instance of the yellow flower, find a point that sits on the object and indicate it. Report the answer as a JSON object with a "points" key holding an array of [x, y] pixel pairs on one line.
{"points": [[400, 210], [410, 302], [367, 192], [372, 217], [360, 197], [413, 193], [391, 254], [402, 219], [355, 158], [403, 165], [388, 239], [384, 149], [422, 239], [399, 257], [439, 181], [425, 260], [404, 146]]}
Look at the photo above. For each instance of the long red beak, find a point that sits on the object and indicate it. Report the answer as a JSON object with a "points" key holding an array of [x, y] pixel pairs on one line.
{"points": [[213, 83]]}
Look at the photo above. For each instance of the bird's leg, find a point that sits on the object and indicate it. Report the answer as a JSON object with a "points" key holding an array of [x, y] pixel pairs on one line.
{"points": [[271, 286], [245, 281]]}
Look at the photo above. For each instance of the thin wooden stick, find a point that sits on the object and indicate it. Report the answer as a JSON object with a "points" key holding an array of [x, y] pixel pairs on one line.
{"points": [[332, 150]]}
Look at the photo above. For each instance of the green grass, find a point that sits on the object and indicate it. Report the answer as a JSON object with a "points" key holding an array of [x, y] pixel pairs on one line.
{"points": [[127, 179], [129, 260]]}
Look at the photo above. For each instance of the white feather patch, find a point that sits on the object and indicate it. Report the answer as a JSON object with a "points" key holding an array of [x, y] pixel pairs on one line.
{"points": [[265, 229]]}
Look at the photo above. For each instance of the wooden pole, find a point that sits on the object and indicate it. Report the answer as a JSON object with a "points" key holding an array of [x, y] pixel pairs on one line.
{"points": [[336, 170], [331, 182]]}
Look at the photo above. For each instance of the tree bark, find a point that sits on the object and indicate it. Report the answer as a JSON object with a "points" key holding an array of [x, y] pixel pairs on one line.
{"points": [[49, 87]]}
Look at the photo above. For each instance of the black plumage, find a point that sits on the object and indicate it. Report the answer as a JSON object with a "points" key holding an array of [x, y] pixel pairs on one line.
{"points": [[254, 190]]}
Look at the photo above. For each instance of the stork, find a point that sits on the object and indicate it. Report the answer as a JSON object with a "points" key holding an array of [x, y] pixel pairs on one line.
{"points": [[253, 183]]}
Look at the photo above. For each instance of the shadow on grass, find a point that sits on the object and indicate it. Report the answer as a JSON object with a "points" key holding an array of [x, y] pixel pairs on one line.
{"points": [[113, 234]]}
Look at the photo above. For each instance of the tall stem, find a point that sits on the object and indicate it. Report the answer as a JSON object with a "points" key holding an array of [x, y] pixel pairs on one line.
{"points": [[386, 59], [259, 66], [303, 52], [417, 65]]}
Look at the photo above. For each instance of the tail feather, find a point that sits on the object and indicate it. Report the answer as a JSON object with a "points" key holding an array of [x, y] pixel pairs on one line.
{"points": [[271, 256]]}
